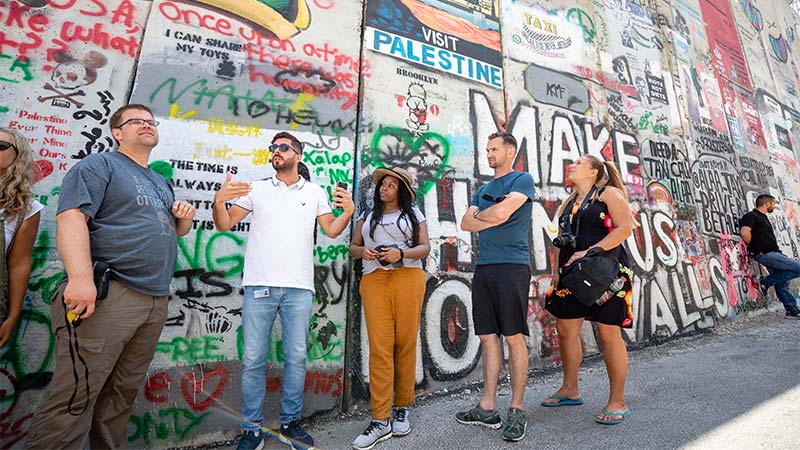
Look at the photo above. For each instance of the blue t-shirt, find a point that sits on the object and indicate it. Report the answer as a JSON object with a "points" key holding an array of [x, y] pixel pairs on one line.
{"points": [[131, 225], [508, 242]]}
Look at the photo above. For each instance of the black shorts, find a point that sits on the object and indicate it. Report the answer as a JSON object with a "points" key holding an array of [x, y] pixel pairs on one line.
{"points": [[500, 299]]}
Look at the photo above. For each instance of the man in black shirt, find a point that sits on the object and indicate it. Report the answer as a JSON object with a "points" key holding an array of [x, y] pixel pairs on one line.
{"points": [[756, 230]]}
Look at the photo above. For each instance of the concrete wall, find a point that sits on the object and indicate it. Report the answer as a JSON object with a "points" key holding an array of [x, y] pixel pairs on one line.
{"points": [[695, 101]]}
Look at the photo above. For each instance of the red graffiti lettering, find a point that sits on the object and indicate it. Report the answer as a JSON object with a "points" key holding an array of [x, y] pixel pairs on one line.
{"points": [[205, 20], [124, 13], [317, 382], [157, 388], [194, 390], [324, 4], [98, 12], [97, 35], [15, 18]]}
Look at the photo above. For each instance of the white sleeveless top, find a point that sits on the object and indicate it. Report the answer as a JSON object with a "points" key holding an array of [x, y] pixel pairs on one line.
{"points": [[11, 224]]}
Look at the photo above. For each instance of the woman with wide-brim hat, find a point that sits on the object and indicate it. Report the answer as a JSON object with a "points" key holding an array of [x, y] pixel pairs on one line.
{"points": [[392, 241]]}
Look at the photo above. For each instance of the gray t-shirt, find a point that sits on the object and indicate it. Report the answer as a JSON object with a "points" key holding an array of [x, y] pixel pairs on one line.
{"points": [[131, 225], [389, 231]]}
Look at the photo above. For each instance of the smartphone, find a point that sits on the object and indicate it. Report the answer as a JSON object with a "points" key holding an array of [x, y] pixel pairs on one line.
{"points": [[342, 185]]}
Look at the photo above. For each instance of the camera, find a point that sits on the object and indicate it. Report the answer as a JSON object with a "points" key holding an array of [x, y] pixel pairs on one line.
{"points": [[382, 248], [566, 240]]}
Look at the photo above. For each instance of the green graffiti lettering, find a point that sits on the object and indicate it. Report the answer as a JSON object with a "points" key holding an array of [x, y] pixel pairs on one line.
{"points": [[179, 421], [35, 325], [200, 257], [192, 350], [22, 65]]}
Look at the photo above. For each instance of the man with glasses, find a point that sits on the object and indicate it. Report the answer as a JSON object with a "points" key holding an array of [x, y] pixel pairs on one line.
{"points": [[113, 210], [278, 279], [500, 213]]}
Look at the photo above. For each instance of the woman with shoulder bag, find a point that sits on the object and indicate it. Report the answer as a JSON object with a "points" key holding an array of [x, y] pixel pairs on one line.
{"points": [[593, 216], [391, 240], [19, 222]]}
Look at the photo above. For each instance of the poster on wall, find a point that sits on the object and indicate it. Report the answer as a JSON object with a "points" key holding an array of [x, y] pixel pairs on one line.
{"points": [[458, 37], [723, 41]]}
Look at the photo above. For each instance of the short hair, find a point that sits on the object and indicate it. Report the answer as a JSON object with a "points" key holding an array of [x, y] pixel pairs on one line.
{"points": [[762, 200], [508, 138], [116, 118], [285, 135]]}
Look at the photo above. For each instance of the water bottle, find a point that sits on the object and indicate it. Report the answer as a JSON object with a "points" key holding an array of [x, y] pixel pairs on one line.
{"points": [[615, 287]]}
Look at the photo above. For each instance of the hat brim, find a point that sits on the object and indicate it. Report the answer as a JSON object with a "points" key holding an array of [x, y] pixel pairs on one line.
{"points": [[381, 172]]}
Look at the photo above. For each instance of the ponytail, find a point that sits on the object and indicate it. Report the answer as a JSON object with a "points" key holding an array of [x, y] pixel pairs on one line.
{"points": [[615, 180]]}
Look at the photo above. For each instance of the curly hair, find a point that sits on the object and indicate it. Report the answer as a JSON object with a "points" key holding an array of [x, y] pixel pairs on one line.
{"points": [[15, 184]]}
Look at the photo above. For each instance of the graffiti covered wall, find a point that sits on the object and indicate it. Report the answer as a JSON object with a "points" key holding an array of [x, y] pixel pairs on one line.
{"points": [[695, 101]]}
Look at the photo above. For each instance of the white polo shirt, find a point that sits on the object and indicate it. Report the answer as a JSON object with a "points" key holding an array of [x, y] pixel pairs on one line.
{"points": [[280, 247]]}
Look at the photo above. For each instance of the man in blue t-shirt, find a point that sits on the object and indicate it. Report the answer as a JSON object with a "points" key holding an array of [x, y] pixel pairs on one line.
{"points": [[501, 213]]}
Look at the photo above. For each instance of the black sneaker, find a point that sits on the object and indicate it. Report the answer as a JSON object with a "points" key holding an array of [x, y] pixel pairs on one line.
{"points": [[515, 426], [794, 314], [293, 435], [476, 416], [251, 440]]}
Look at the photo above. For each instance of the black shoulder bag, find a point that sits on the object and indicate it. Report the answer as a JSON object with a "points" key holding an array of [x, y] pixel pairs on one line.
{"points": [[589, 277]]}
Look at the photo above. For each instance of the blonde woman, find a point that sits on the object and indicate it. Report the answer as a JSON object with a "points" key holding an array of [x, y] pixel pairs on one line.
{"points": [[19, 221], [605, 220]]}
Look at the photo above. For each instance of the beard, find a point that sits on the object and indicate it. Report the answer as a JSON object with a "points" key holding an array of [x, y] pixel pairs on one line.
{"points": [[284, 165]]}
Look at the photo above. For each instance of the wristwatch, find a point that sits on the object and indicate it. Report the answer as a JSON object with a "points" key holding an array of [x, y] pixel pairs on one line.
{"points": [[402, 255]]}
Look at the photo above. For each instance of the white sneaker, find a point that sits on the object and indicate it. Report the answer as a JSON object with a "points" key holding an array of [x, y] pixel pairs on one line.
{"points": [[375, 432], [400, 425]]}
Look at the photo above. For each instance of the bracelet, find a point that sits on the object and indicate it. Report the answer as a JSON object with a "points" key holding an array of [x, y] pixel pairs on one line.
{"points": [[402, 255]]}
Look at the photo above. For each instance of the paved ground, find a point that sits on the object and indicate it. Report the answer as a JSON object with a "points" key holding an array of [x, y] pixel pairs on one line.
{"points": [[737, 387]]}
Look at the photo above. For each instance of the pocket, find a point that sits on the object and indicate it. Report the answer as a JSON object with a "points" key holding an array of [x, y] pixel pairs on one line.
{"points": [[85, 344]]}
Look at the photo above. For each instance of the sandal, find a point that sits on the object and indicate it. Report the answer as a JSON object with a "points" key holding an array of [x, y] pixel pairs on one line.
{"points": [[562, 401], [623, 415]]}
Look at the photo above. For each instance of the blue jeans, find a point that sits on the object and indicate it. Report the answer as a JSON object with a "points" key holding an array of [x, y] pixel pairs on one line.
{"points": [[258, 316], [782, 269]]}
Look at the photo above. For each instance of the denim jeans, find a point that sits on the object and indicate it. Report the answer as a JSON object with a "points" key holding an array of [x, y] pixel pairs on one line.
{"points": [[782, 270], [258, 316]]}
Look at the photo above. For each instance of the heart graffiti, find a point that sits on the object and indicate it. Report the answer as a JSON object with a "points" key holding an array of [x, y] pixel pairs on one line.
{"points": [[196, 392], [424, 156], [42, 170]]}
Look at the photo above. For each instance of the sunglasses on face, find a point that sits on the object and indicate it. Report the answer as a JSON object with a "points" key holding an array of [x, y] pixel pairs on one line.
{"points": [[5, 145], [282, 148], [139, 123]]}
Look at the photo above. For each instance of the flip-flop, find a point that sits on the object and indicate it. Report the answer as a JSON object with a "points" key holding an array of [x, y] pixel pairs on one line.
{"points": [[562, 401], [612, 413]]}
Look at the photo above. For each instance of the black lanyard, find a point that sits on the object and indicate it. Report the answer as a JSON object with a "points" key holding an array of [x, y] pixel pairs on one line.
{"points": [[586, 200]]}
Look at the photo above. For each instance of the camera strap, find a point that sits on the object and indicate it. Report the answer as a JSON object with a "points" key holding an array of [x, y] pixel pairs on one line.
{"points": [[74, 351], [586, 200]]}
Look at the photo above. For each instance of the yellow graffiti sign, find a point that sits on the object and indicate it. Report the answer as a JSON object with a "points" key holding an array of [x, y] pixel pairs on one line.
{"points": [[265, 14]]}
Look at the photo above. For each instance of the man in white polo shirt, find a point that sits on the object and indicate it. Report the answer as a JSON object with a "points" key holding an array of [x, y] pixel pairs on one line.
{"points": [[278, 279]]}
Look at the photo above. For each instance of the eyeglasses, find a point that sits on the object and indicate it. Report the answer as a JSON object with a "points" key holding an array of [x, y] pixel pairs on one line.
{"points": [[5, 145], [282, 148], [139, 123]]}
